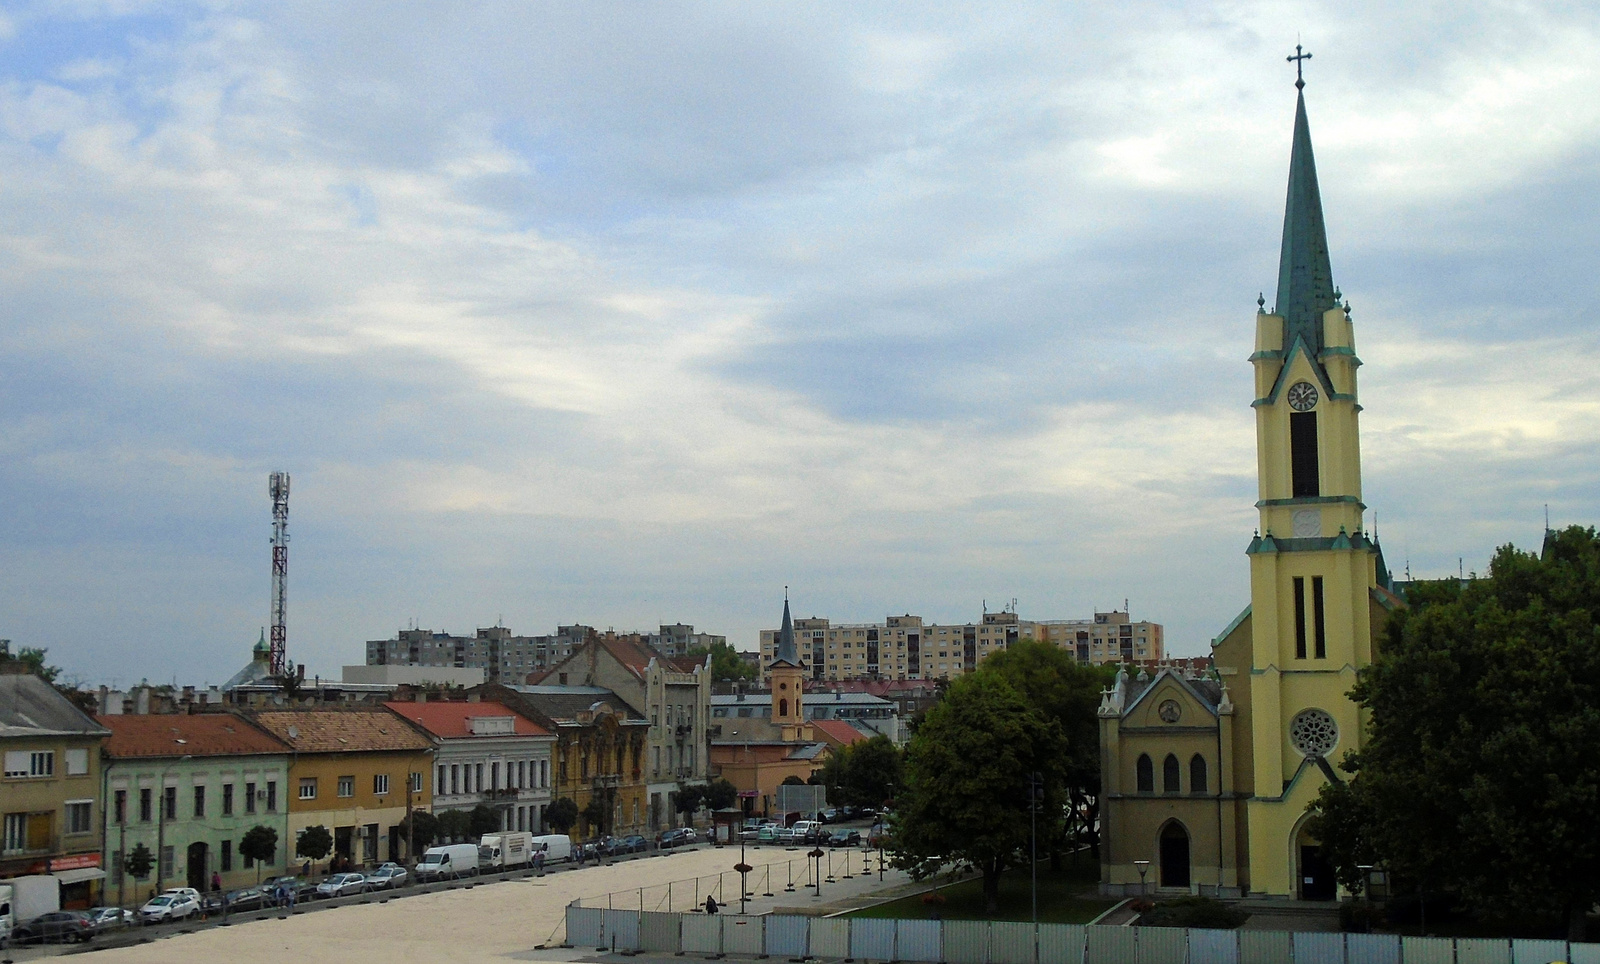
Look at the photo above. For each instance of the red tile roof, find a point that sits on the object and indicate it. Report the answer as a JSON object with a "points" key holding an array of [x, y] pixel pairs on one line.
{"points": [[204, 734], [342, 731], [837, 732], [453, 719]]}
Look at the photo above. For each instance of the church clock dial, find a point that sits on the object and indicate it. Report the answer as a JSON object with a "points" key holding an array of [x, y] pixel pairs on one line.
{"points": [[1302, 396], [1307, 524]]}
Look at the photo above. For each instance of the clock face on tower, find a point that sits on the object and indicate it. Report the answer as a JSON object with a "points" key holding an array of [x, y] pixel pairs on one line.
{"points": [[1302, 396]]}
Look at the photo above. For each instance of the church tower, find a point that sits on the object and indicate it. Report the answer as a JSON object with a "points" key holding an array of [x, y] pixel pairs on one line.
{"points": [[788, 682], [1313, 570]]}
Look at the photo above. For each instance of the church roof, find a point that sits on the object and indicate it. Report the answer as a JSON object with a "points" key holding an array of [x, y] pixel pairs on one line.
{"points": [[786, 650], [1305, 276]]}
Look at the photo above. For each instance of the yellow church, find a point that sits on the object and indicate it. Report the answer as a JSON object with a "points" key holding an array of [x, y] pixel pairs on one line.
{"points": [[1206, 781]]}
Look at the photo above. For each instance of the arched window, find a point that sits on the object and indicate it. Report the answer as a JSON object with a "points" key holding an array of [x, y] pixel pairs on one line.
{"points": [[783, 707], [1197, 774], [1171, 775], [1147, 774]]}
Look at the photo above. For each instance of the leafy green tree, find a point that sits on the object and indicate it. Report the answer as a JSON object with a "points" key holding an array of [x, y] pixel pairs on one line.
{"points": [[1479, 774], [32, 659], [260, 845], [1053, 681], [314, 843], [872, 772], [967, 767], [793, 781], [454, 825], [725, 662], [561, 814], [427, 829], [598, 815], [140, 862], [721, 794], [689, 798], [481, 820]]}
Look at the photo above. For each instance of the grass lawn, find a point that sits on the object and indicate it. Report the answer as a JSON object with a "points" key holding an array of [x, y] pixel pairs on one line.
{"points": [[1065, 897]]}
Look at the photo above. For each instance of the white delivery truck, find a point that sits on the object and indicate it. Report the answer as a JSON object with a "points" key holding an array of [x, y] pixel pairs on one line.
{"points": [[497, 851], [24, 898], [450, 860], [556, 847]]}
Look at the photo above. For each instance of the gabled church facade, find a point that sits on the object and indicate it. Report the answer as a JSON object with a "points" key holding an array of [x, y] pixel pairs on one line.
{"points": [[1206, 783]]}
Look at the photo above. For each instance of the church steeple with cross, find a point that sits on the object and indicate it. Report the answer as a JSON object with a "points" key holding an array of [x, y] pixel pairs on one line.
{"points": [[1305, 276]]}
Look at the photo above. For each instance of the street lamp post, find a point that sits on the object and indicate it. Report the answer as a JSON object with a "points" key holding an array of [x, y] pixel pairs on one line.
{"points": [[161, 822], [816, 856], [1143, 865]]}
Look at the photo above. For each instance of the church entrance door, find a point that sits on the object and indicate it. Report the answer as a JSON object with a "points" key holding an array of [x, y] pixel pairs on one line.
{"points": [[1316, 875], [1174, 856]]}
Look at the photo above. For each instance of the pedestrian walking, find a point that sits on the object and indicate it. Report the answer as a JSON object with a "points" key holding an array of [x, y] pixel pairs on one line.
{"points": [[216, 882], [711, 904]]}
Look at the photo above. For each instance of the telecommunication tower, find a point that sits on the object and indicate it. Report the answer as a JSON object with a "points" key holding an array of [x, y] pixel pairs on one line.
{"points": [[278, 488]]}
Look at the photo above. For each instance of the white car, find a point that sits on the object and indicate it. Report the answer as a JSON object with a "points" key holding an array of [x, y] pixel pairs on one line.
{"points": [[340, 884], [169, 906]]}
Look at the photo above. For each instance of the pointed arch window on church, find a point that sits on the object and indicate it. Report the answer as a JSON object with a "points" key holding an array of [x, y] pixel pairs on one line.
{"points": [[783, 707], [1146, 774], [1197, 774], [1171, 775], [1303, 454]]}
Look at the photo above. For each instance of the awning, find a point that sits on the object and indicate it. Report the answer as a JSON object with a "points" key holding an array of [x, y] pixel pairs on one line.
{"points": [[79, 875]]}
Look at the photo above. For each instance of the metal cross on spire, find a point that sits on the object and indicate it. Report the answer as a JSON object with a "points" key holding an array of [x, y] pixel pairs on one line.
{"points": [[1297, 60]]}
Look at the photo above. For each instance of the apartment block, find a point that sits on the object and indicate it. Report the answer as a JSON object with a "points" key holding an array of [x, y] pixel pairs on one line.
{"points": [[906, 647], [503, 656]]}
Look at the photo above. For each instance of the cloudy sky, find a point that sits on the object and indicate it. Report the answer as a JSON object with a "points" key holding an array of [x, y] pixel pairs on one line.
{"points": [[636, 313]]}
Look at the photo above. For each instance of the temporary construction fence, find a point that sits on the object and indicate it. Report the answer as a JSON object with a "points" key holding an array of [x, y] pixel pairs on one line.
{"points": [[767, 880], [1007, 942]]}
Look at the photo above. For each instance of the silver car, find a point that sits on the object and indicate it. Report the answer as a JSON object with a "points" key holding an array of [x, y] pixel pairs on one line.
{"points": [[341, 884], [386, 877]]}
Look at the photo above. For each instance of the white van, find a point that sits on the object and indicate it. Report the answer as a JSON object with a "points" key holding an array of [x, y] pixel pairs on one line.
{"points": [[506, 849], [556, 847], [451, 860]]}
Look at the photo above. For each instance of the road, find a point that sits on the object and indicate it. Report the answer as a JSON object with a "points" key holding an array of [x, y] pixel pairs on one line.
{"points": [[487, 919]]}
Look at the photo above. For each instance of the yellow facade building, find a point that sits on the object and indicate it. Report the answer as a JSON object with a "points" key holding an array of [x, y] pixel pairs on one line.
{"points": [[357, 772], [1269, 727]]}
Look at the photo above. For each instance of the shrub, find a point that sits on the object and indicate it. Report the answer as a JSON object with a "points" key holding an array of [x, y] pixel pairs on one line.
{"points": [[1193, 912]]}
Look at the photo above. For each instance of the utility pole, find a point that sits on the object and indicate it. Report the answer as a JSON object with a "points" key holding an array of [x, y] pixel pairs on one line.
{"points": [[1035, 791]]}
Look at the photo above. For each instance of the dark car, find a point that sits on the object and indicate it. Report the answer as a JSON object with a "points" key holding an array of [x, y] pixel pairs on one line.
{"points": [[844, 838], [635, 844], [829, 815], [56, 927], [675, 838], [304, 888]]}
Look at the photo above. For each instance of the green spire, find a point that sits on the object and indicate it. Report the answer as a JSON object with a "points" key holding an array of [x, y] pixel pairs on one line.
{"points": [[786, 650], [1305, 278]]}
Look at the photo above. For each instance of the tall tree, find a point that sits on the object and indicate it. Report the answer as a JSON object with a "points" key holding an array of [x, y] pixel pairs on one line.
{"points": [[427, 828], [864, 774], [561, 814], [1479, 774], [967, 794], [1053, 681], [314, 843], [721, 794]]}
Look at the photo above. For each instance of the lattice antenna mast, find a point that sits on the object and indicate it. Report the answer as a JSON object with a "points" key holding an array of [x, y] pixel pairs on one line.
{"points": [[278, 488]]}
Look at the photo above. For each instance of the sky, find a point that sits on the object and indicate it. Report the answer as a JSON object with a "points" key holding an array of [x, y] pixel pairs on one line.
{"points": [[632, 313]]}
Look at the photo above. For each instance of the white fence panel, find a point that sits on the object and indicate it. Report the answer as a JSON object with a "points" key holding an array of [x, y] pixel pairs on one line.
{"points": [[1012, 942], [741, 935], [658, 931], [1264, 947], [1161, 945], [918, 940], [702, 934], [786, 936], [872, 940], [1213, 947], [1538, 952], [1482, 950], [1061, 943], [1111, 945], [584, 926], [619, 930], [1310, 948], [1372, 948], [830, 937], [967, 942], [1427, 950], [1584, 954]]}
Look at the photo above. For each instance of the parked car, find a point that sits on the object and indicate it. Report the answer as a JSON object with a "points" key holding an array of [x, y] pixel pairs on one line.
{"points": [[769, 833], [606, 846], [304, 888], [248, 898], [55, 927], [168, 907], [387, 877], [341, 884], [844, 838], [678, 837], [830, 815], [111, 918], [878, 836], [635, 844]]}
